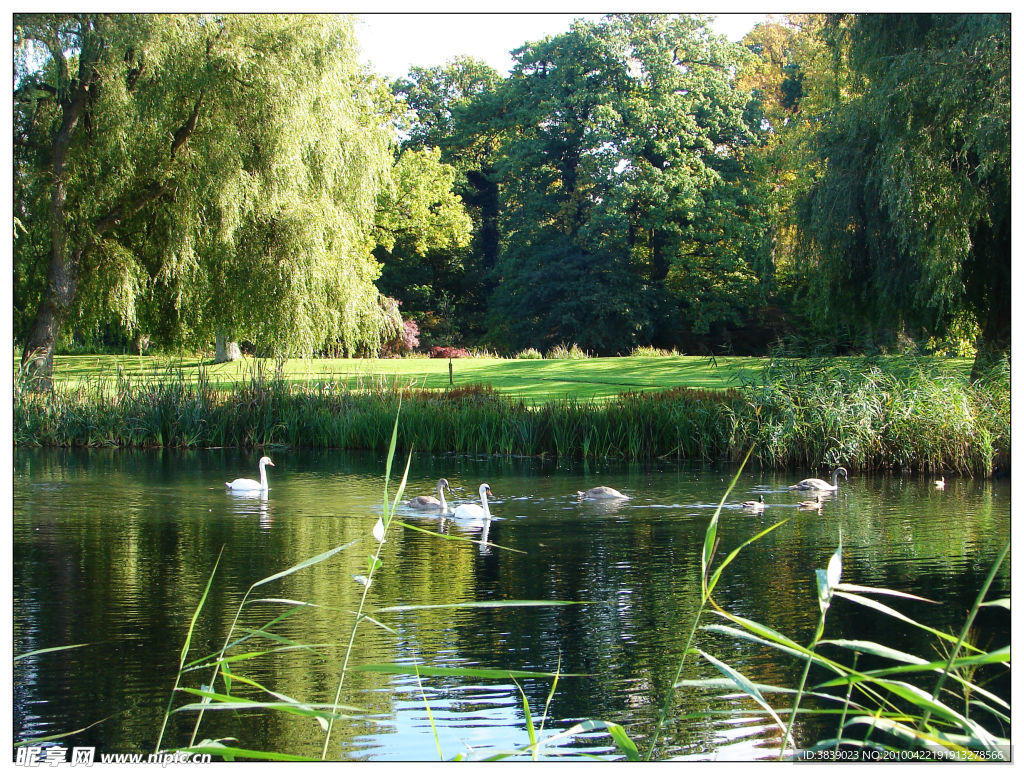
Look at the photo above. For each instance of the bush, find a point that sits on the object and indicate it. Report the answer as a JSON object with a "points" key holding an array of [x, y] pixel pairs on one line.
{"points": [[645, 351], [561, 352], [529, 354], [407, 340], [449, 352]]}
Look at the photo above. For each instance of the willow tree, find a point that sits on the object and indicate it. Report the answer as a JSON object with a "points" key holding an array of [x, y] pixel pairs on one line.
{"points": [[197, 173], [908, 224]]}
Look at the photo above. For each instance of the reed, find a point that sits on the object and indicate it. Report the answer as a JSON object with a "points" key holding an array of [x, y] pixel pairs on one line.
{"points": [[883, 712], [866, 414]]}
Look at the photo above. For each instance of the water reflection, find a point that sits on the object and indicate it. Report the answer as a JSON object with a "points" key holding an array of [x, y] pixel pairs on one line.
{"points": [[123, 544], [253, 502]]}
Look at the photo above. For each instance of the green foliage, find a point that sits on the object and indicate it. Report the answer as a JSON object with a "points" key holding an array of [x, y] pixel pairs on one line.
{"points": [[614, 159], [564, 352], [529, 354], [910, 218], [219, 172], [652, 352], [419, 208], [901, 705], [451, 108], [884, 414], [562, 293]]}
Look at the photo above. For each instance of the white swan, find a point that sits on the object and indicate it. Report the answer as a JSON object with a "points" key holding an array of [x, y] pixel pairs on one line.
{"points": [[601, 494], [941, 483], [429, 502], [820, 484], [474, 511], [252, 484], [757, 505]]}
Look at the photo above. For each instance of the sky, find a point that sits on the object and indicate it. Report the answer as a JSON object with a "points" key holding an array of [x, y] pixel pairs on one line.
{"points": [[392, 42]]}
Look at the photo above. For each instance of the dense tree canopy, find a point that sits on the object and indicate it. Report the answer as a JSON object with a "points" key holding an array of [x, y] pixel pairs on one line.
{"points": [[621, 158], [911, 214], [836, 180], [193, 172]]}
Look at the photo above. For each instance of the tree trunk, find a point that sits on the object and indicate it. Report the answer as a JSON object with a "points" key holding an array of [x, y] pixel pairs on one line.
{"points": [[62, 275], [989, 286], [224, 350], [993, 343], [37, 357]]}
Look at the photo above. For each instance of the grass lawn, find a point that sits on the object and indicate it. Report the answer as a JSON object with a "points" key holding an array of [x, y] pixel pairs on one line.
{"points": [[533, 380], [536, 381]]}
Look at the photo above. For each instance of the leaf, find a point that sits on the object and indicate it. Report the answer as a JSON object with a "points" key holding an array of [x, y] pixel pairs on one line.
{"points": [[727, 683], [877, 649], [484, 604], [378, 531], [462, 672], [744, 684], [28, 654], [218, 701], [362, 580], [934, 742], [623, 741], [922, 699], [883, 591], [383, 626], [444, 537], [732, 555], [1003, 602], [304, 564], [835, 565], [230, 752], [824, 594], [894, 613]]}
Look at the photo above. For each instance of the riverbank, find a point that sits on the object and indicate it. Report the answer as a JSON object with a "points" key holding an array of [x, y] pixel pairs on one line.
{"points": [[864, 414]]}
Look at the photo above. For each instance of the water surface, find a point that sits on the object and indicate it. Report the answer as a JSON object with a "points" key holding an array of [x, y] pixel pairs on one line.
{"points": [[113, 549]]}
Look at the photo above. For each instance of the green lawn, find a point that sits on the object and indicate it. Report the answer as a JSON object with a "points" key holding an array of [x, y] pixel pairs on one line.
{"points": [[533, 380]]}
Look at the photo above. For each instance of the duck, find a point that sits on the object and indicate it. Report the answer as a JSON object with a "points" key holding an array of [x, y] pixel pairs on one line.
{"points": [[601, 494], [941, 483], [429, 502], [252, 484], [820, 484], [473, 510], [758, 505], [815, 504]]}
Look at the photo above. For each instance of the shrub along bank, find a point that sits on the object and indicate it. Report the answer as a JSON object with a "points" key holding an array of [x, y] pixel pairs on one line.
{"points": [[864, 414]]}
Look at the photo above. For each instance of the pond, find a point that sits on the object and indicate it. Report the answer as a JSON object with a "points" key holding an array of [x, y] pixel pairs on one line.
{"points": [[113, 550]]}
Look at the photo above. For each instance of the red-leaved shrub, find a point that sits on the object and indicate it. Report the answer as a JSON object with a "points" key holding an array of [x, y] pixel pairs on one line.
{"points": [[448, 352]]}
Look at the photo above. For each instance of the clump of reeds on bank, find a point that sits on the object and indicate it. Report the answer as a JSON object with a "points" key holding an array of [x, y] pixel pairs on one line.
{"points": [[896, 414], [866, 414]]}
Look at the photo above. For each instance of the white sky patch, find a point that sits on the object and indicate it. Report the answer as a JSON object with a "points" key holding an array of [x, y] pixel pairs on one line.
{"points": [[392, 42]]}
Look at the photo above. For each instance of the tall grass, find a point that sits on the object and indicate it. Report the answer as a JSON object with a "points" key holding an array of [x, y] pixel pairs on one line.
{"points": [[891, 414], [899, 708]]}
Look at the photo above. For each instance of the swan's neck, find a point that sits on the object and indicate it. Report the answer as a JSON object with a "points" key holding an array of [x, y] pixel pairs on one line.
{"points": [[483, 502], [263, 475], [440, 497]]}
